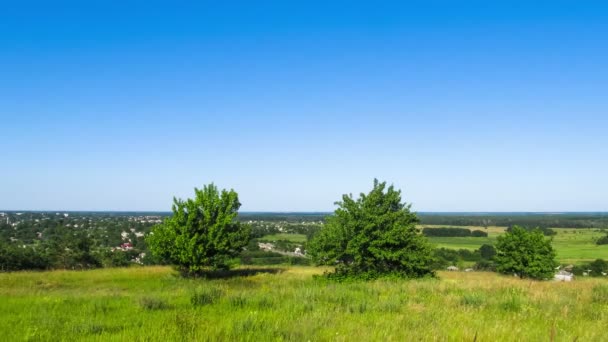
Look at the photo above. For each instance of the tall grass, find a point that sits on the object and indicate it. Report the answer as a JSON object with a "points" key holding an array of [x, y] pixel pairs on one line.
{"points": [[153, 304]]}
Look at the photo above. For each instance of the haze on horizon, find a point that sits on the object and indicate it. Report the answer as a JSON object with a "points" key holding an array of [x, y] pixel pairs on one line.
{"points": [[468, 106]]}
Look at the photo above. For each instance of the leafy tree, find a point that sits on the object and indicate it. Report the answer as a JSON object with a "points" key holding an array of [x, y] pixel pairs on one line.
{"points": [[202, 232], [526, 253], [373, 236], [487, 251]]}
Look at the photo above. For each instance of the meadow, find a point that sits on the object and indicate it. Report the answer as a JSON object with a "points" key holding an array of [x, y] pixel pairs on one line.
{"points": [[275, 304]]}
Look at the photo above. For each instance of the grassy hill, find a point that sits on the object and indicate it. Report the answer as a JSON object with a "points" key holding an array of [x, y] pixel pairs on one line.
{"points": [[153, 304]]}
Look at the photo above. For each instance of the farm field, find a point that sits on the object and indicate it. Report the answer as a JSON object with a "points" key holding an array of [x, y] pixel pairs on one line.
{"points": [[571, 245], [153, 304], [286, 237]]}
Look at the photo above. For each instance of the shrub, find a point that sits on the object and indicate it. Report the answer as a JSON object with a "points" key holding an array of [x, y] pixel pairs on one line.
{"points": [[603, 240], [487, 251], [479, 233], [373, 236], [595, 268], [444, 257], [485, 265]]}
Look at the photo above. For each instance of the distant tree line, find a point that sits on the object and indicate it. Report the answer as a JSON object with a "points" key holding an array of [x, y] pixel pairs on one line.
{"points": [[546, 231], [565, 220], [453, 232]]}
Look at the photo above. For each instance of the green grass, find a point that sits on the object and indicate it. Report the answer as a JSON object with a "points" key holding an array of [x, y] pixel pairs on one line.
{"points": [[571, 245], [299, 238], [471, 243], [153, 304]]}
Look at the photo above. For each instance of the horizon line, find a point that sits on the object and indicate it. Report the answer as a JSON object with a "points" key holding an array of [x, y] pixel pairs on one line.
{"points": [[306, 212]]}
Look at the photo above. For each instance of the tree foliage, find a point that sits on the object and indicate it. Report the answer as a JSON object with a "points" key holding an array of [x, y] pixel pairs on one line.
{"points": [[453, 232], [487, 251], [602, 241], [526, 253], [373, 236], [596, 268], [202, 232]]}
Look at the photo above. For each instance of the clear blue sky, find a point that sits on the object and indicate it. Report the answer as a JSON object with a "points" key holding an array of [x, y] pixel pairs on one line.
{"points": [[465, 106]]}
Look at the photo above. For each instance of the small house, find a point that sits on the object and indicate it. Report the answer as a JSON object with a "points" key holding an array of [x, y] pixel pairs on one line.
{"points": [[564, 276]]}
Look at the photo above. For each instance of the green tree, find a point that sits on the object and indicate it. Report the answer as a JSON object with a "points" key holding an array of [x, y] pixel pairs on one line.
{"points": [[372, 236], [202, 232], [487, 251], [526, 253]]}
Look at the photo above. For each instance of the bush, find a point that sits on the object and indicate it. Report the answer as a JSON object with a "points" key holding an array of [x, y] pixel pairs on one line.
{"points": [[373, 236], [485, 265], [602, 241], [487, 251], [596, 268], [479, 233], [14, 258]]}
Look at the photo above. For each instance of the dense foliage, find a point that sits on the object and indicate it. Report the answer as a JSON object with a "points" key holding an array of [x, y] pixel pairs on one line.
{"points": [[546, 231], [596, 268], [526, 253], [483, 257], [453, 232], [602, 241], [373, 236], [202, 232]]}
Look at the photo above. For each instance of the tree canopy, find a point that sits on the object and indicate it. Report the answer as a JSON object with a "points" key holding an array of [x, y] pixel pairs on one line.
{"points": [[372, 236], [526, 253], [202, 232]]}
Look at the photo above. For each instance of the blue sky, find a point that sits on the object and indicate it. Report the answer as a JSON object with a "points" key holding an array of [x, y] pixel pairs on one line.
{"points": [[465, 106]]}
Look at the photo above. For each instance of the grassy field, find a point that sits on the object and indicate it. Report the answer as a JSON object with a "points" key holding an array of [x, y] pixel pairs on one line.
{"points": [[572, 245], [153, 304], [298, 238]]}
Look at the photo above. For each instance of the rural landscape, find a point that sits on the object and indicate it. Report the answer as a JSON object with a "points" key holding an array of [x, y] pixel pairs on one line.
{"points": [[92, 276], [303, 171]]}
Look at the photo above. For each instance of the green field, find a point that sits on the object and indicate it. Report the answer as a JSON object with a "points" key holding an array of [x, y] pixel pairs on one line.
{"points": [[298, 238], [153, 304], [572, 245]]}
